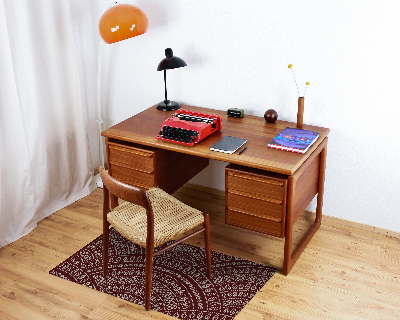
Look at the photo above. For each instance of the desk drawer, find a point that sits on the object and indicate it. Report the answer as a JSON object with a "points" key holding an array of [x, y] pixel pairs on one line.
{"points": [[252, 221], [262, 186], [131, 157], [269, 208], [255, 199], [133, 177]]}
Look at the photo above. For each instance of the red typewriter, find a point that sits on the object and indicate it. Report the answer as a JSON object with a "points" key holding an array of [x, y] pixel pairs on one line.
{"points": [[189, 127]]}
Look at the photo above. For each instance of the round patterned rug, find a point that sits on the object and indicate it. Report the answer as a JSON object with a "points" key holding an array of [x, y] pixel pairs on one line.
{"points": [[180, 287]]}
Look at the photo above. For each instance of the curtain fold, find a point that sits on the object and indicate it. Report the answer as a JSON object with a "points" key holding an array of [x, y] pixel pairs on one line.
{"points": [[45, 159]]}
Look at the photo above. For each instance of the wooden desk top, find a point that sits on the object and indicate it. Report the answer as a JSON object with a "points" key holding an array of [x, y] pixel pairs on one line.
{"points": [[143, 128]]}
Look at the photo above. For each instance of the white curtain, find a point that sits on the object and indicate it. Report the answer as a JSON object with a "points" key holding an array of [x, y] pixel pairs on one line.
{"points": [[45, 161]]}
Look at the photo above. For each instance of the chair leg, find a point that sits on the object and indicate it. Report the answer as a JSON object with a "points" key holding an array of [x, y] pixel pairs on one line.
{"points": [[207, 243], [148, 275], [106, 243]]}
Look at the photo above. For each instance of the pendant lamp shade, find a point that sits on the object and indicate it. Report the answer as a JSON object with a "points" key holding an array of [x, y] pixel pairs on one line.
{"points": [[122, 21]]}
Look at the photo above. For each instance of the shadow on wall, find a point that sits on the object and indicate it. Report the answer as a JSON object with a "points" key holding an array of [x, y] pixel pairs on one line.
{"points": [[157, 13]]}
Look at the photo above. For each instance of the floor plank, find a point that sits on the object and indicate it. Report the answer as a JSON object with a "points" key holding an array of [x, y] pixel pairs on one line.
{"points": [[348, 271]]}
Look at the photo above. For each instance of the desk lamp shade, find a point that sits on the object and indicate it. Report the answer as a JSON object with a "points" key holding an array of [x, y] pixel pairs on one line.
{"points": [[169, 62], [122, 21]]}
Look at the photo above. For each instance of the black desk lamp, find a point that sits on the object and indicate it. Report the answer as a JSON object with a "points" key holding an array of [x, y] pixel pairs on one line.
{"points": [[169, 62]]}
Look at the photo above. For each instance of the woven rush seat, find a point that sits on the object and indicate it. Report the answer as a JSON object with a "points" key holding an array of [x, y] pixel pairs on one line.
{"points": [[171, 218]]}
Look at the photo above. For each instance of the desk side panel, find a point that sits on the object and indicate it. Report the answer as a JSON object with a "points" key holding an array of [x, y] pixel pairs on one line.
{"points": [[306, 188], [306, 182]]}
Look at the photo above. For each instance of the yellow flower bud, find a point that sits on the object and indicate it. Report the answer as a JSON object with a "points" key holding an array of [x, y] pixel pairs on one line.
{"points": [[307, 83], [289, 66]]}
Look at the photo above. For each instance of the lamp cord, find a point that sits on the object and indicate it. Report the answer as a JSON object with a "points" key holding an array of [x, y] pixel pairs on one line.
{"points": [[99, 119]]}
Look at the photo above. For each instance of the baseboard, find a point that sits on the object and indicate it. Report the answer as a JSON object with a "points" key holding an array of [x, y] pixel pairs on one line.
{"points": [[344, 222], [362, 226]]}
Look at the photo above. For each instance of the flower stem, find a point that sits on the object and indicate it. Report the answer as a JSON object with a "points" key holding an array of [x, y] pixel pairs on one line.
{"points": [[295, 82]]}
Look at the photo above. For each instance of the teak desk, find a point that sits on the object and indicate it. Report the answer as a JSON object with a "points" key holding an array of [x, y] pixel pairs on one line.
{"points": [[267, 190]]}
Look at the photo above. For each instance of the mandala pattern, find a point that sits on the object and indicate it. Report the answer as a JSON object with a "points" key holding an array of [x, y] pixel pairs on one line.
{"points": [[180, 286]]}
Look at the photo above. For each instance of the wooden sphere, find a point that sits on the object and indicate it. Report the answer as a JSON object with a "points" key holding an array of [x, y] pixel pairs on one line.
{"points": [[270, 115]]}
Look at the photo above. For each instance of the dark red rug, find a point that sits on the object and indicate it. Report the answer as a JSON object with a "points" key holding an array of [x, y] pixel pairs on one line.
{"points": [[180, 287]]}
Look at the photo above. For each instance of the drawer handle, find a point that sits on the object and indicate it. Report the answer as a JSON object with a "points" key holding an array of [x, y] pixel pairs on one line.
{"points": [[140, 153], [247, 195], [275, 183], [256, 215]]}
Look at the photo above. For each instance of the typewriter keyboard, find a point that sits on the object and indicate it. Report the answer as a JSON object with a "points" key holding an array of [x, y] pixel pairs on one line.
{"points": [[178, 134]]}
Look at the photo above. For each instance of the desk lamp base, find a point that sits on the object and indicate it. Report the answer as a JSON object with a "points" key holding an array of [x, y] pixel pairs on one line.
{"points": [[168, 105]]}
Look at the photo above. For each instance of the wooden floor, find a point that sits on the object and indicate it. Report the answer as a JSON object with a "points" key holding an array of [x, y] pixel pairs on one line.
{"points": [[344, 273]]}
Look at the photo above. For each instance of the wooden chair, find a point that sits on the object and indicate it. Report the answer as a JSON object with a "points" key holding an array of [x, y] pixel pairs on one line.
{"points": [[149, 219]]}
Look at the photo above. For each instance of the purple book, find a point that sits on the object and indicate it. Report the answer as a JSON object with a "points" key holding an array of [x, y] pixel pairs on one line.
{"points": [[294, 140]]}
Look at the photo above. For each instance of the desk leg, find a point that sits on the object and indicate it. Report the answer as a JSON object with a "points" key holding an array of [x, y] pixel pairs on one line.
{"points": [[289, 259]]}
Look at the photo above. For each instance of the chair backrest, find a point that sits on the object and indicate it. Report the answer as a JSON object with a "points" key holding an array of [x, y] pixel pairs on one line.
{"points": [[124, 191]]}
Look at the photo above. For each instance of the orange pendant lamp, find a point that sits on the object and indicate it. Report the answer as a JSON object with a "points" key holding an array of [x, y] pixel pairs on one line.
{"points": [[122, 21]]}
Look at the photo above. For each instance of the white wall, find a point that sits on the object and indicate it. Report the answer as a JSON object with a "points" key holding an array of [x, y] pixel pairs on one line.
{"points": [[237, 54]]}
